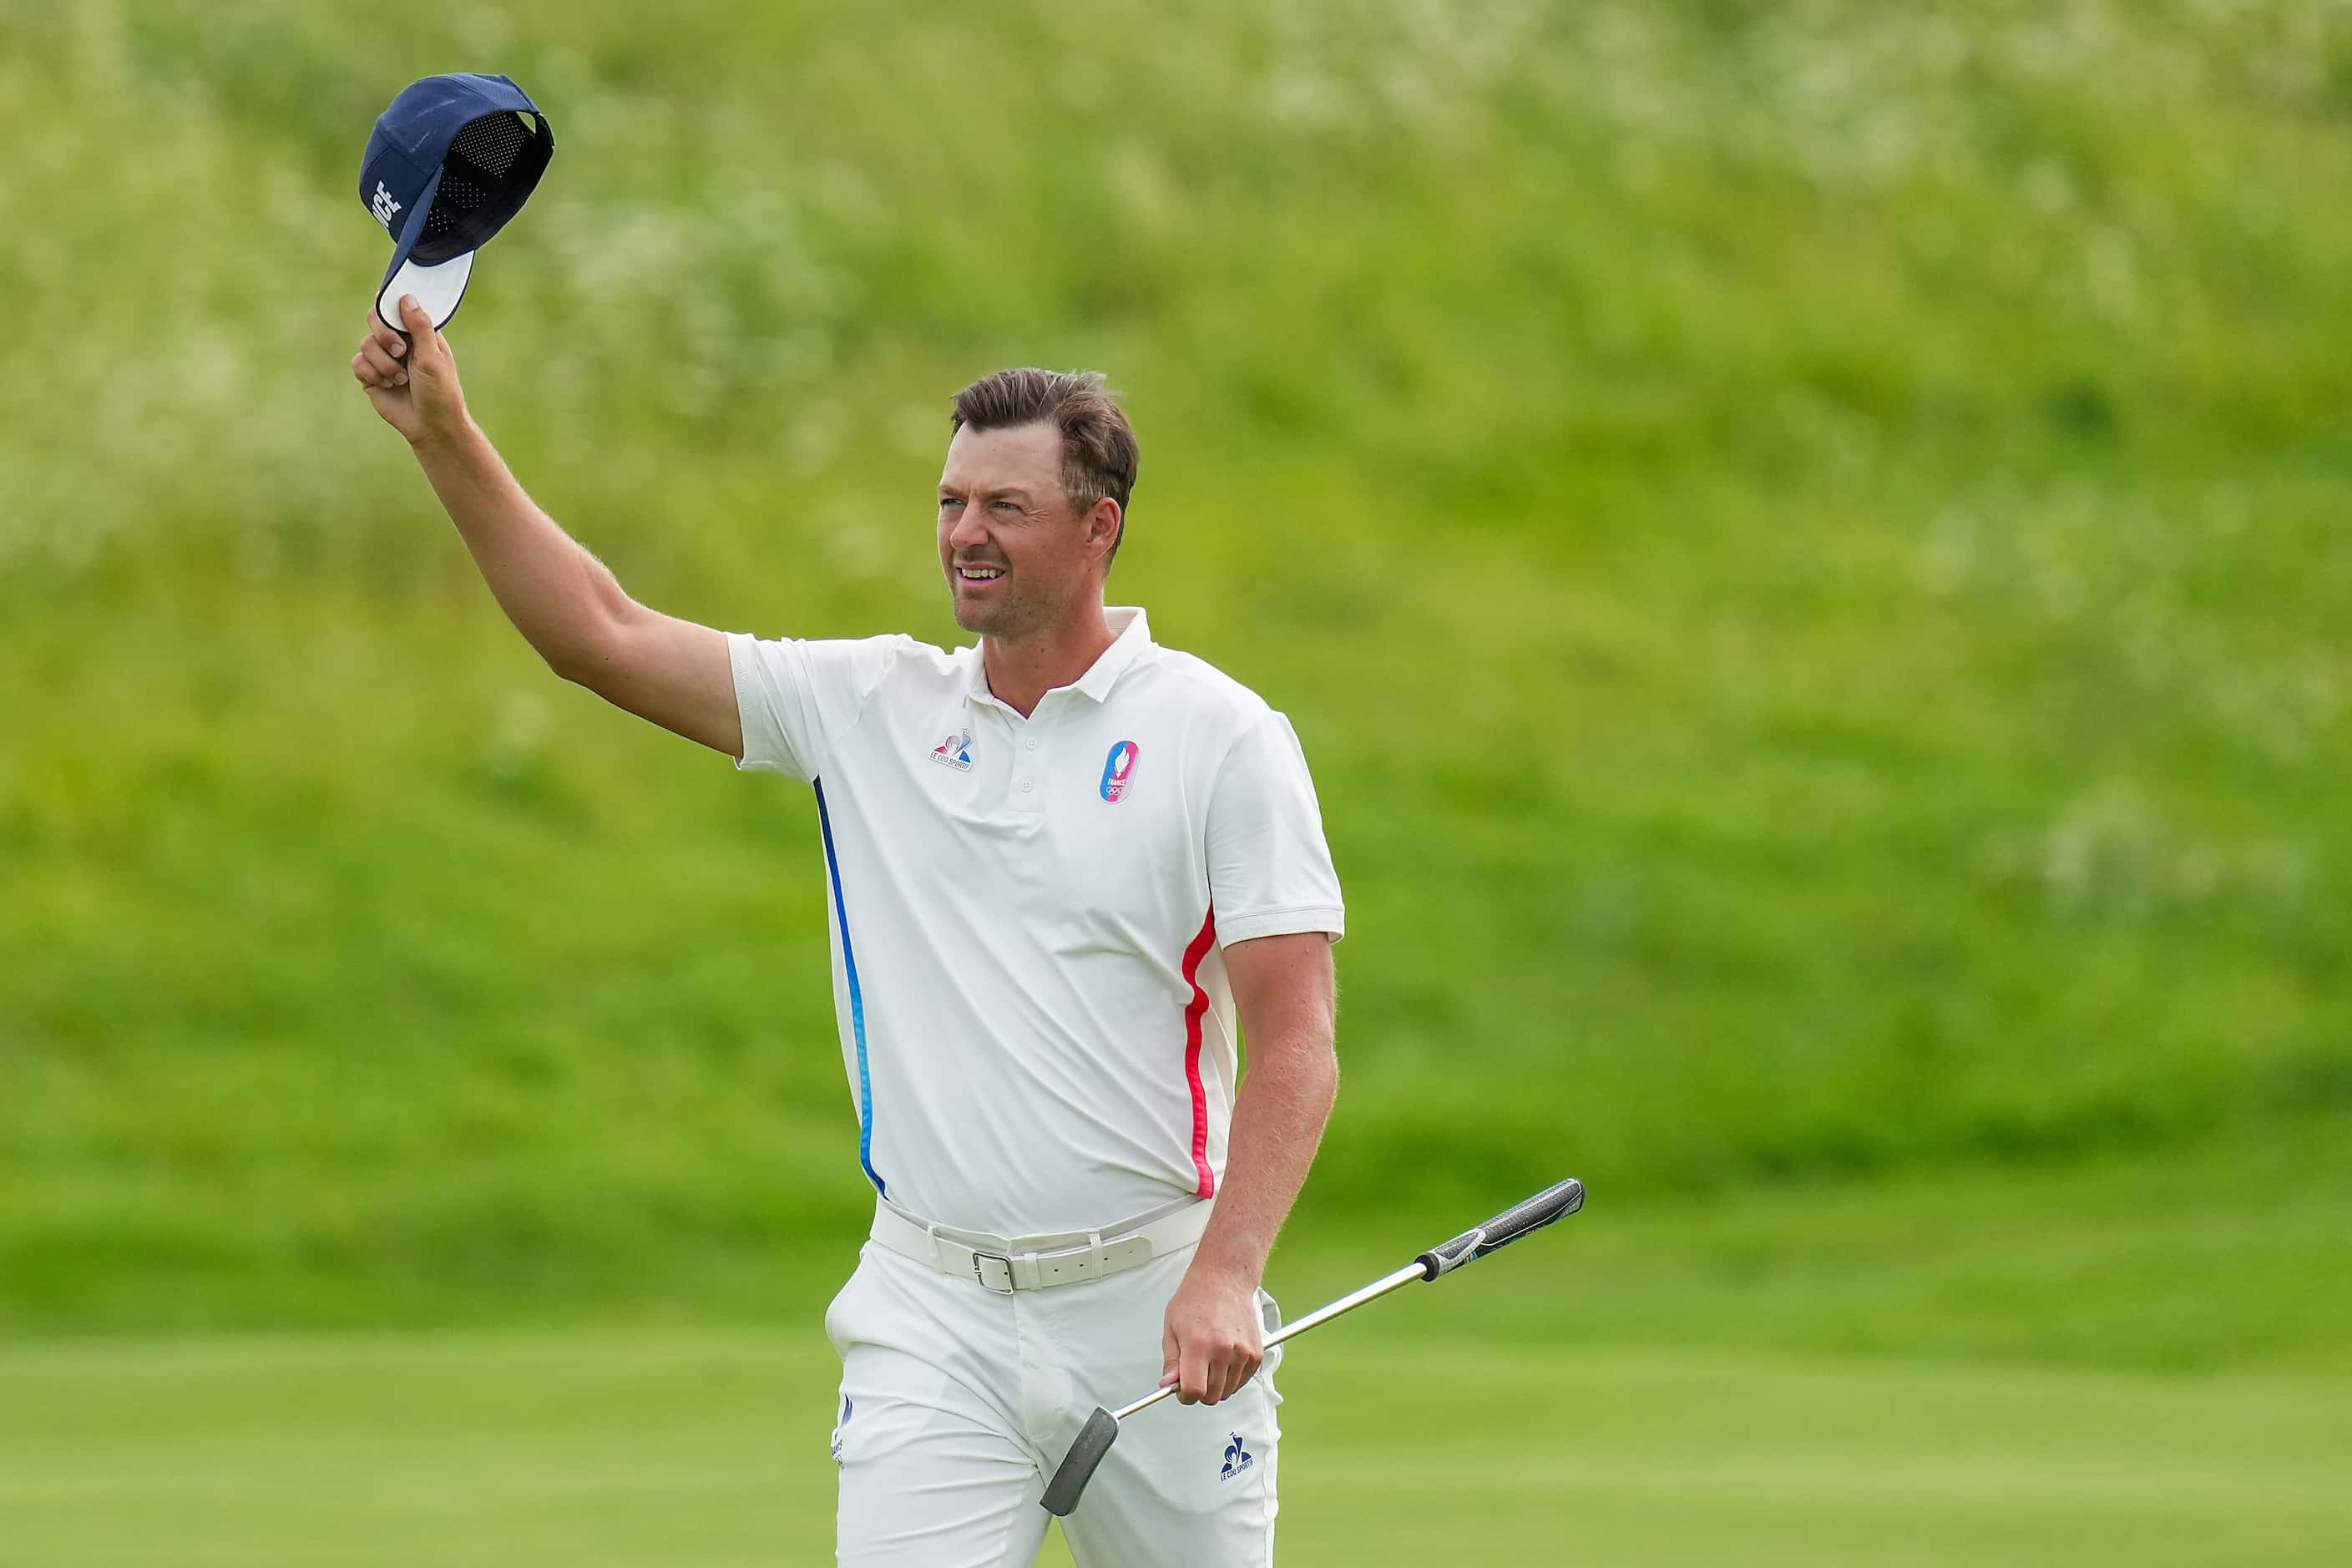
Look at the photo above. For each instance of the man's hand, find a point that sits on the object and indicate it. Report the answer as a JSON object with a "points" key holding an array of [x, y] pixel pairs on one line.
{"points": [[1213, 1339], [412, 382]]}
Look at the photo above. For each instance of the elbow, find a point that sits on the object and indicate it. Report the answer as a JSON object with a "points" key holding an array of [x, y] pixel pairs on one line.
{"points": [[569, 664], [1326, 1048], [584, 656], [1313, 1069]]}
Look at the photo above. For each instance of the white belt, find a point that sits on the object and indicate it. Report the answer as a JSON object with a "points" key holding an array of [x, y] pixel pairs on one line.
{"points": [[1006, 1264]]}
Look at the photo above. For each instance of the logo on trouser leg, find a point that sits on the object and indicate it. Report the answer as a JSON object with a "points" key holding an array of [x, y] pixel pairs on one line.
{"points": [[842, 1430], [1237, 1458]]}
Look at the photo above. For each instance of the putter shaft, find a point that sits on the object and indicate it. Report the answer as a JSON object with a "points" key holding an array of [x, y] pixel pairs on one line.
{"points": [[1347, 1303], [1087, 1450]]}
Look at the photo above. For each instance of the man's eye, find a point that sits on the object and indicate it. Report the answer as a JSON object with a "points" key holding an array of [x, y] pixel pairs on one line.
{"points": [[948, 501], [1008, 506]]}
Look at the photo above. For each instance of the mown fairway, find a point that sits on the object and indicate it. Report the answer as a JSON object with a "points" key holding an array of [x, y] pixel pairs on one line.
{"points": [[2124, 1365], [638, 1449]]}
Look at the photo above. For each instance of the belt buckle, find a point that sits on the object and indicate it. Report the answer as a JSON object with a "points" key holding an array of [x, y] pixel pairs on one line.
{"points": [[979, 1272]]}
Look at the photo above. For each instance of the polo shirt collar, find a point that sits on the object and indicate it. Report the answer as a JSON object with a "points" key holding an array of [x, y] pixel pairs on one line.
{"points": [[1131, 634]]}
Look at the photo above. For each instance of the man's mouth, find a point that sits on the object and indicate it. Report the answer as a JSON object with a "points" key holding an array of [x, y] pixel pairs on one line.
{"points": [[979, 573]]}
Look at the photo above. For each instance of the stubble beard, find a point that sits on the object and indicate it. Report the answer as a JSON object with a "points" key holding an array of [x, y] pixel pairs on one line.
{"points": [[1019, 617], [1003, 621]]}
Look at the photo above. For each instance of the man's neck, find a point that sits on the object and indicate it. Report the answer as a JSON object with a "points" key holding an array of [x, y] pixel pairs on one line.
{"points": [[1021, 673]]}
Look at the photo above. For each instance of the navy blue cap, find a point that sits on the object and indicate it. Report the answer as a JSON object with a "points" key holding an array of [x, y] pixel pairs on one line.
{"points": [[451, 160]]}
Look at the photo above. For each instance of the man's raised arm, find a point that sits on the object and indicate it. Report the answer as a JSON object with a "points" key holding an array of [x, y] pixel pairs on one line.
{"points": [[563, 600]]}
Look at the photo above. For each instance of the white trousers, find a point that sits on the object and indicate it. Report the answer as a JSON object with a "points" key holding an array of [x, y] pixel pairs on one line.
{"points": [[957, 1403]]}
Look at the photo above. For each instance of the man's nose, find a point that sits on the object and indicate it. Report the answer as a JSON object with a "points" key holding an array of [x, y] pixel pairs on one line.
{"points": [[967, 531]]}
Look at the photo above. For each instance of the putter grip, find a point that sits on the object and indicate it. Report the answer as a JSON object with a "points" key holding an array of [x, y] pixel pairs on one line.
{"points": [[1557, 1202]]}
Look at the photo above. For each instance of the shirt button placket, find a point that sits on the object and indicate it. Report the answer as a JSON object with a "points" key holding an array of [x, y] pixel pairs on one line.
{"points": [[1024, 785]]}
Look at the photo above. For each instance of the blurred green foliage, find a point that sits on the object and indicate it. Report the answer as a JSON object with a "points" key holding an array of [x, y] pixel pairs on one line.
{"points": [[1805, 544]]}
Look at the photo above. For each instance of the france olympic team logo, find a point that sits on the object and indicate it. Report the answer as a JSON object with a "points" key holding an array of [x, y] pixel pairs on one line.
{"points": [[1117, 768]]}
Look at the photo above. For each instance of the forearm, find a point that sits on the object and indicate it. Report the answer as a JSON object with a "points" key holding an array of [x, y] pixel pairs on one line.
{"points": [[556, 593], [1277, 1123]]}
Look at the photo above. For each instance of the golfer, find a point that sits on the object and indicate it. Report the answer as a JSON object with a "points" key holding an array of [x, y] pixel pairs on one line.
{"points": [[1067, 868]]}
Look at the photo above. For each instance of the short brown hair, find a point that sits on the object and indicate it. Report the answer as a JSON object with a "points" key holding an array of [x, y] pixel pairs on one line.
{"points": [[1098, 450]]}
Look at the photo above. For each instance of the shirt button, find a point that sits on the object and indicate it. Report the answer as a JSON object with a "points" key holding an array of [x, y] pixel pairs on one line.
{"points": [[1028, 785], [1033, 743]]}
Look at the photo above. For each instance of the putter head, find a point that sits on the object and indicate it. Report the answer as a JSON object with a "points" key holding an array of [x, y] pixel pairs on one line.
{"points": [[1094, 1440]]}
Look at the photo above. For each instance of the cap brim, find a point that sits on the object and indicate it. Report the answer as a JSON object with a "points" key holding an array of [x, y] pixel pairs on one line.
{"points": [[438, 289]]}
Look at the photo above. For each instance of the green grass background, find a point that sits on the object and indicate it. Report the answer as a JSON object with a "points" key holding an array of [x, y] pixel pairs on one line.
{"points": [[1803, 542]]}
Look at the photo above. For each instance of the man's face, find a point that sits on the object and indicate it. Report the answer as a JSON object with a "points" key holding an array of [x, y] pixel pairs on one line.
{"points": [[1016, 553]]}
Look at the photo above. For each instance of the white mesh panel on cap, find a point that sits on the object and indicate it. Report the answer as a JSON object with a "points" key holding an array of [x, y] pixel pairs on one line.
{"points": [[438, 289], [472, 193], [491, 143], [482, 152]]}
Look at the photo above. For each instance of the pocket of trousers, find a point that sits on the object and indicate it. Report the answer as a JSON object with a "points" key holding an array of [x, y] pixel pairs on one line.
{"points": [[1269, 1312], [838, 1327]]}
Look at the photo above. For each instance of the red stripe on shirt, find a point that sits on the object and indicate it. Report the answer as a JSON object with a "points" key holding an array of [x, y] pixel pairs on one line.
{"points": [[1193, 1010]]}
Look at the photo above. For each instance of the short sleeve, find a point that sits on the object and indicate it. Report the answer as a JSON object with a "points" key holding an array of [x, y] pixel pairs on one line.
{"points": [[1269, 869], [795, 697]]}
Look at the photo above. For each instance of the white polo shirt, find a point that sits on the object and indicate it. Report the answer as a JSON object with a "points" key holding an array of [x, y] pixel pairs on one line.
{"points": [[1028, 913]]}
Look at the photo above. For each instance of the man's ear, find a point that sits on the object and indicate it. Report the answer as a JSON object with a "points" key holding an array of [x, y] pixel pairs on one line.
{"points": [[1104, 520]]}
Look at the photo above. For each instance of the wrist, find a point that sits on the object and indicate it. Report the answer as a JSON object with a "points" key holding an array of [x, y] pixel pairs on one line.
{"points": [[1227, 1273], [458, 431]]}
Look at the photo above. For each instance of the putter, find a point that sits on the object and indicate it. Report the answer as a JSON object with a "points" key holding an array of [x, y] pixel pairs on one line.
{"points": [[1101, 1430]]}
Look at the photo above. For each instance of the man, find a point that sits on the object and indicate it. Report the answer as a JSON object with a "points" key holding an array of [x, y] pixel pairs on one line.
{"points": [[1061, 864]]}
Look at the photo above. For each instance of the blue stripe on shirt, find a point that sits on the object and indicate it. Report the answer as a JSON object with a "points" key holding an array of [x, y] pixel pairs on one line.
{"points": [[856, 999]]}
